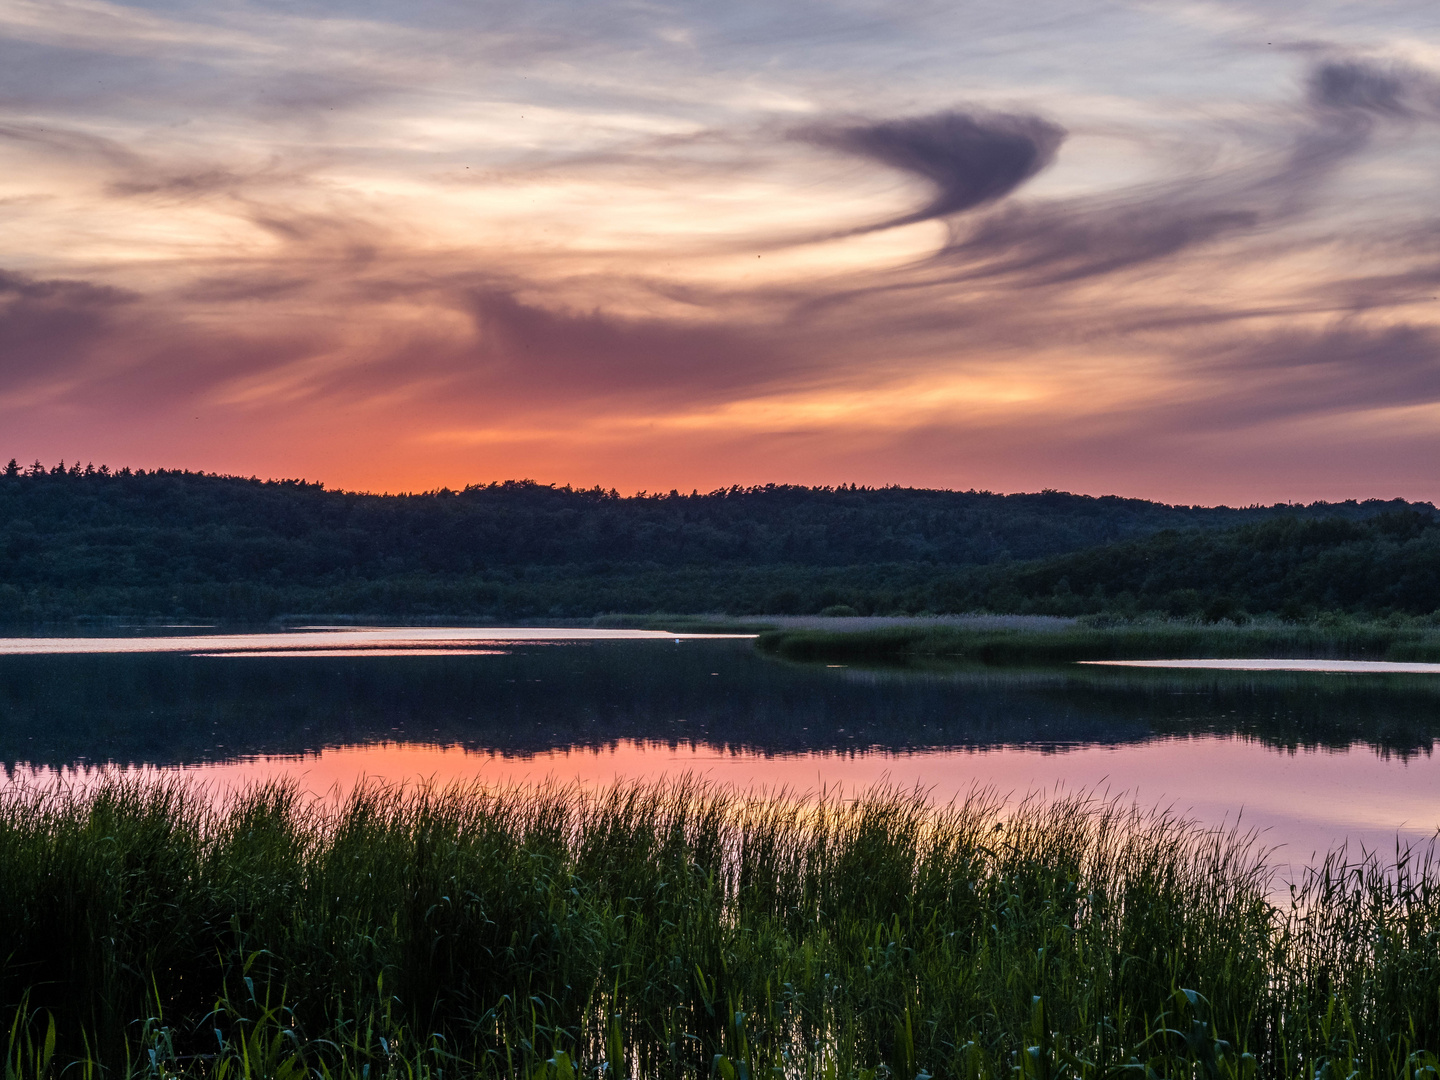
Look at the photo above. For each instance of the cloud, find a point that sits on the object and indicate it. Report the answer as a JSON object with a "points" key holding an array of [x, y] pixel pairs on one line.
{"points": [[49, 328], [1048, 246], [85, 347], [70, 144], [1027, 253], [970, 159], [183, 185], [531, 338], [444, 253], [531, 353], [1353, 85], [1341, 368], [24, 287], [1348, 102], [1087, 237]]}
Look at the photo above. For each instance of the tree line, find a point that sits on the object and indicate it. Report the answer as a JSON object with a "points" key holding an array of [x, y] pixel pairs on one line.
{"points": [[91, 541]]}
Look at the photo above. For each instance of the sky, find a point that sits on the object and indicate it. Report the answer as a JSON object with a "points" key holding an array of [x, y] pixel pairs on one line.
{"points": [[1179, 250]]}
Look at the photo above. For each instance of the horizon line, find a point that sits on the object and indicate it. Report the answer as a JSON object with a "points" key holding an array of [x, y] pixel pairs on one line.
{"points": [[13, 470]]}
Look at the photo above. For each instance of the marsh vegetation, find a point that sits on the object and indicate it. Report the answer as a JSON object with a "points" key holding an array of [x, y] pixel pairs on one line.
{"points": [[675, 930], [1397, 639]]}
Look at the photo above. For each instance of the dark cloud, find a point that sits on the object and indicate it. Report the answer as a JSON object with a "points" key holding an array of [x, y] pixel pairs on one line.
{"points": [[971, 159], [64, 292], [1351, 85], [51, 327], [1340, 369], [532, 350], [1084, 238], [98, 347], [1028, 255], [181, 185], [1045, 245], [1348, 102]]}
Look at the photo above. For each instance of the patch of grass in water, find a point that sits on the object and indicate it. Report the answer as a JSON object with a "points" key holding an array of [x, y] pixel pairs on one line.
{"points": [[1407, 640], [680, 930]]}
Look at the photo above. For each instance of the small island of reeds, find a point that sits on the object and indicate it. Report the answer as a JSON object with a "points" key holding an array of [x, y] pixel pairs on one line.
{"points": [[1102, 638], [151, 928]]}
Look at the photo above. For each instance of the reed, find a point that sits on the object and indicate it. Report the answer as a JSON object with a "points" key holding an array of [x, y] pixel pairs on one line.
{"points": [[151, 929], [1340, 638]]}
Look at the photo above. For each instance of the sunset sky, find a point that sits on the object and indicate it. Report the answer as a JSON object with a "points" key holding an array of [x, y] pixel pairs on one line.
{"points": [[1186, 251]]}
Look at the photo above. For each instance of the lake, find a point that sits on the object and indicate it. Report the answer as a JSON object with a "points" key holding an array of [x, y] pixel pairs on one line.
{"points": [[1310, 758]]}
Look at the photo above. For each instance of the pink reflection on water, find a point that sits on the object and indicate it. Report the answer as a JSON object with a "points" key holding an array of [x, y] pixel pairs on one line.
{"points": [[303, 654], [331, 639], [1305, 802]]}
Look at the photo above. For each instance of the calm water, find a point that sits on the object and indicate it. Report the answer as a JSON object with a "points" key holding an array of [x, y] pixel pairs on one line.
{"points": [[1310, 758]]}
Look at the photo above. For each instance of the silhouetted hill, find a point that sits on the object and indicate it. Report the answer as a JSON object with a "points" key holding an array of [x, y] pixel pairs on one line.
{"points": [[86, 541]]}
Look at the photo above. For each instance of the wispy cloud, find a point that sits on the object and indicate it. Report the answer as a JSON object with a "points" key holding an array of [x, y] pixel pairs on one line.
{"points": [[663, 246]]}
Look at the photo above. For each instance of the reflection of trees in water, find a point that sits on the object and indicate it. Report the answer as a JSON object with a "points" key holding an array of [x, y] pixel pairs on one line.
{"points": [[177, 709]]}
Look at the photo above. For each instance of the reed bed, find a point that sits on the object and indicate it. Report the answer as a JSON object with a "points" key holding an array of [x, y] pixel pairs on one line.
{"points": [[680, 930], [1340, 638]]}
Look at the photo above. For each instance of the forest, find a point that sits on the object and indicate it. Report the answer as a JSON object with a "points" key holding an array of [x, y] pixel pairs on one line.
{"points": [[91, 542]]}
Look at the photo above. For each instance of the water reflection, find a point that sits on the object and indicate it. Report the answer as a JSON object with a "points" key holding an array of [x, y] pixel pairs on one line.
{"points": [[310, 639], [1313, 757], [162, 709], [1302, 802]]}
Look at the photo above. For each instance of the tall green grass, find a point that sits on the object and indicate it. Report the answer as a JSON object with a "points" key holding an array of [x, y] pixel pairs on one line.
{"points": [[1341, 638], [679, 930]]}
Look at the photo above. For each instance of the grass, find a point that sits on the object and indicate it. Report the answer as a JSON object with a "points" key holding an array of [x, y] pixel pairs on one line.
{"points": [[678, 930], [1395, 639]]}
